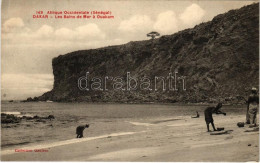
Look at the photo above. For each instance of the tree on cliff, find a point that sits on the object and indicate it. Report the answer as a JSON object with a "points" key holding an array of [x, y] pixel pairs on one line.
{"points": [[153, 34]]}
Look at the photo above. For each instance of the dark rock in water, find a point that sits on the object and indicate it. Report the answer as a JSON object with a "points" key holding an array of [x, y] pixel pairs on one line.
{"points": [[36, 117], [51, 117], [3, 114], [7, 121], [9, 118], [240, 124], [40, 120], [6, 127], [29, 99], [24, 117], [28, 118], [219, 58], [3, 121]]}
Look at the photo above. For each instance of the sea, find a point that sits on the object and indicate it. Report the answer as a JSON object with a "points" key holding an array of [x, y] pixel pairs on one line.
{"points": [[104, 119]]}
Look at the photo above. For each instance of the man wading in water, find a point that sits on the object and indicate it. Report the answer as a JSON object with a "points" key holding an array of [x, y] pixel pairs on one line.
{"points": [[80, 129], [208, 115]]}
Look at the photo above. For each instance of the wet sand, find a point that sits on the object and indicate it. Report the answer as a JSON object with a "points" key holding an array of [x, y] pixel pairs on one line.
{"points": [[155, 139]]}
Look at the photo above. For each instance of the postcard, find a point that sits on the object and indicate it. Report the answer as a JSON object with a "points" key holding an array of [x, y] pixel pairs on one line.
{"points": [[130, 81]]}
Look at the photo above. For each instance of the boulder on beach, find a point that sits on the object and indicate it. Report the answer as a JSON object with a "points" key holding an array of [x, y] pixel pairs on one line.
{"points": [[220, 128], [240, 124]]}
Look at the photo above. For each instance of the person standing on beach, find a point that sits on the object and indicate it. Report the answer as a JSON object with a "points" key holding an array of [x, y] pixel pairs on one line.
{"points": [[80, 129], [252, 106], [208, 115]]}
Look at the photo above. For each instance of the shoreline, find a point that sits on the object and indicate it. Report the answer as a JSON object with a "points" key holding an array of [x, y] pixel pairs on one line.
{"points": [[184, 139], [61, 143], [131, 103]]}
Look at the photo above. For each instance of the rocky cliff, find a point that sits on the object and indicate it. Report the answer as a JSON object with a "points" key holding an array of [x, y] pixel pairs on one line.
{"points": [[219, 60]]}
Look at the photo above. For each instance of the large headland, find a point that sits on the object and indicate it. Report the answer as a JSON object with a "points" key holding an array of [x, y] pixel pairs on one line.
{"points": [[219, 60]]}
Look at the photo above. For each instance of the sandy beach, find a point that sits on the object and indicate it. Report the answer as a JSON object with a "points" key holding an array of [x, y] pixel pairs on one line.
{"points": [[155, 139]]}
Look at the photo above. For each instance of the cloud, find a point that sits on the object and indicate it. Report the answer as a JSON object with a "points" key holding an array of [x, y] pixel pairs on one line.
{"points": [[136, 23], [65, 33], [90, 31], [18, 85], [47, 35], [192, 15], [27, 81], [12, 24], [167, 22], [45, 31], [86, 32]]}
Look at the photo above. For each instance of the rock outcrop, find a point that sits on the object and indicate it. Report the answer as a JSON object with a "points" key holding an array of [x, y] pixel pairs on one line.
{"points": [[10, 118], [219, 59]]}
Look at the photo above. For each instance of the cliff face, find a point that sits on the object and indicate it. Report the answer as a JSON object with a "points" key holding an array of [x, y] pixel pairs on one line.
{"points": [[219, 59]]}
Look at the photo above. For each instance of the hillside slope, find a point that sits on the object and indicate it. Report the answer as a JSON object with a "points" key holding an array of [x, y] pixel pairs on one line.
{"points": [[219, 59]]}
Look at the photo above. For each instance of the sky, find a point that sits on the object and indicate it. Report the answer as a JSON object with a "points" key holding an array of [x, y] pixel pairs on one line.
{"points": [[28, 45]]}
